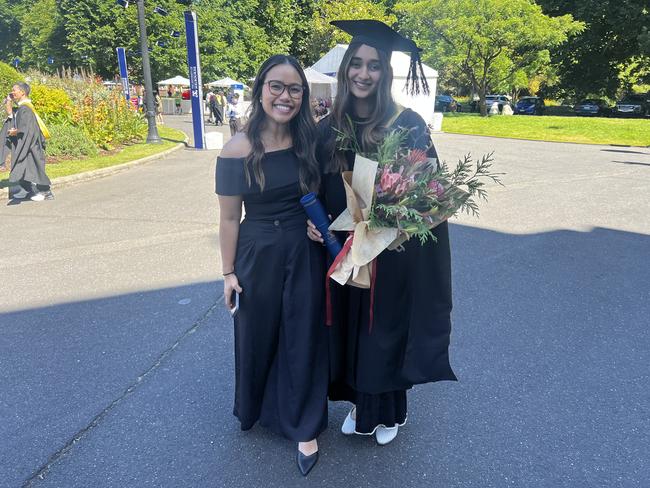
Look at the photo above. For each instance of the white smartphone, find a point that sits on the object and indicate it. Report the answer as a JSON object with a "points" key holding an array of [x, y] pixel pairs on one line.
{"points": [[234, 309]]}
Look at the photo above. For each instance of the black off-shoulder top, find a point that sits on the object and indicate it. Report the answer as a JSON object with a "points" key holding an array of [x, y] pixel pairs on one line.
{"points": [[280, 198]]}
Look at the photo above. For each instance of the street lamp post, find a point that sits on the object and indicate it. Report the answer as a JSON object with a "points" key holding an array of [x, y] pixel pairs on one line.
{"points": [[152, 134]]}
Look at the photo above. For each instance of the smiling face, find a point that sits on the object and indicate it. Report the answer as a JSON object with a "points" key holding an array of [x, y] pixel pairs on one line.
{"points": [[364, 72], [282, 107]]}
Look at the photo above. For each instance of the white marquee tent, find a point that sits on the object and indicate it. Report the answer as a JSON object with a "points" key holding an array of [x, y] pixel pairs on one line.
{"points": [[176, 80], [424, 105], [225, 82], [320, 85]]}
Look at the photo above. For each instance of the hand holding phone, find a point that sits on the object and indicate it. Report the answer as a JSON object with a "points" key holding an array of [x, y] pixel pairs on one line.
{"points": [[231, 291], [235, 307]]}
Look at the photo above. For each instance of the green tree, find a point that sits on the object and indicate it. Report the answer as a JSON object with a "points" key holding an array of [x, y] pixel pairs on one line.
{"points": [[234, 37], [324, 36], [10, 46], [43, 35], [613, 41], [489, 40]]}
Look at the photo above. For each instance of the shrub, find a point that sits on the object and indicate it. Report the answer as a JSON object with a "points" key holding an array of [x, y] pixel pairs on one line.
{"points": [[52, 104], [8, 76], [107, 119], [68, 141]]}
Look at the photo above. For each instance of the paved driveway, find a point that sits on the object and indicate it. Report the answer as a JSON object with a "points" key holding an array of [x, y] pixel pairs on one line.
{"points": [[116, 365]]}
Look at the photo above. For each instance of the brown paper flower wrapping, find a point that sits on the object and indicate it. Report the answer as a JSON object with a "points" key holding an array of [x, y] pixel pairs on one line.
{"points": [[355, 267]]}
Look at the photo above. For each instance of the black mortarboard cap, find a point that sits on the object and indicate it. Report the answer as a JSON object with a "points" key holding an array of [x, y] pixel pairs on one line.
{"points": [[380, 36]]}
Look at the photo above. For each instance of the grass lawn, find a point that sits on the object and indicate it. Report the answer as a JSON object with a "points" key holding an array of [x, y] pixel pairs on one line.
{"points": [[170, 138], [586, 130]]}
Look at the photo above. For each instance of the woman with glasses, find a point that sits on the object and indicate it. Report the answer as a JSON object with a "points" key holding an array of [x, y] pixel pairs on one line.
{"points": [[410, 304], [273, 274]]}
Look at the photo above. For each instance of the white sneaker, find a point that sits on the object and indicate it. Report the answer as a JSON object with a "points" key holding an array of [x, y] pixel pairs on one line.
{"points": [[384, 435], [349, 424], [37, 197]]}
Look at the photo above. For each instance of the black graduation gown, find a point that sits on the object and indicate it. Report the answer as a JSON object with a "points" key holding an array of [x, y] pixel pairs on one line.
{"points": [[28, 149], [281, 375], [5, 142], [409, 340]]}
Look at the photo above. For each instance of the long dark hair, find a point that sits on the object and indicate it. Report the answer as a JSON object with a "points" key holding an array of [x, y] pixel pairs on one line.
{"points": [[301, 127], [383, 108]]}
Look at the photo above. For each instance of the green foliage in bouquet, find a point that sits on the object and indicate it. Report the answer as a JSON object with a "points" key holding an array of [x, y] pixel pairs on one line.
{"points": [[413, 192]]}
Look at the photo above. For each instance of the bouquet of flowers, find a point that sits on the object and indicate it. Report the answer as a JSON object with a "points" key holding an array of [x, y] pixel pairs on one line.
{"points": [[396, 194]]}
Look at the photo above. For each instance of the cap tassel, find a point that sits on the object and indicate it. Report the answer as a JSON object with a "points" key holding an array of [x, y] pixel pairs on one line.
{"points": [[416, 77]]}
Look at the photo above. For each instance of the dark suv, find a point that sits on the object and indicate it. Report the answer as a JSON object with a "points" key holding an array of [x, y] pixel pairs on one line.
{"points": [[633, 106], [446, 103]]}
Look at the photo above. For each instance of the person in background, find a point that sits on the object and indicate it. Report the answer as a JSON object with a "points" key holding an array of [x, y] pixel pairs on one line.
{"points": [[209, 99], [157, 101], [270, 267], [235, 114], [217, 108], [27, 135]]}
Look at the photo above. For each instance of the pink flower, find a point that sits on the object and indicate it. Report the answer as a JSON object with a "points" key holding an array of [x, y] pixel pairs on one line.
{"points": [[389, 180], [402, 187], [437, 188]]}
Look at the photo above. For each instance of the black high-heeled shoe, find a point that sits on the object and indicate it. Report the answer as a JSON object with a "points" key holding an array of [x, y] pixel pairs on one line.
{"points": [[306, 463]]}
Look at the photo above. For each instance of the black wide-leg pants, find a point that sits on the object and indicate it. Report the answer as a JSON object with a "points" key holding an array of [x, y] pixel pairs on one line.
{"points": [[281, 345]]}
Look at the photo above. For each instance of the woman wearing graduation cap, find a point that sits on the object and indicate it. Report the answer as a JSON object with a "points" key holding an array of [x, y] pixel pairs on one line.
{"points": [[373, 367], [273, 274]]}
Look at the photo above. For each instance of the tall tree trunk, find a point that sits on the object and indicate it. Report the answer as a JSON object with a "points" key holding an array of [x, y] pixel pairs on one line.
{"points": [[481, 99]]}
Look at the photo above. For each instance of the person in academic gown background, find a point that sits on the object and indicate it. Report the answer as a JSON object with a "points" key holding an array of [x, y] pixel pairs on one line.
{"points": [[373, 367], [27, 147]]}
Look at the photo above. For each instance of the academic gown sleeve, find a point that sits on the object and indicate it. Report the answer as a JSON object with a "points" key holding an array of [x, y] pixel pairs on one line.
{"points": [[5, 142], [419, 136]]}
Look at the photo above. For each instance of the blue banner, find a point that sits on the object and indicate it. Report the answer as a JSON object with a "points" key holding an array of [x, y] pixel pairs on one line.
{"points": [[196, 87], [124, 74]]}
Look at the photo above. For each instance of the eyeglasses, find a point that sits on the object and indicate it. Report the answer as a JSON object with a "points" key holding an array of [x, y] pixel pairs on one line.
{"points": [[277, 88]]}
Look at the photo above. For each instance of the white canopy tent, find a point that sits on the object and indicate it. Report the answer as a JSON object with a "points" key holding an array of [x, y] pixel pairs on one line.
{"points": [[176, 80], [320, 85], [225, 82], [424, 105]]}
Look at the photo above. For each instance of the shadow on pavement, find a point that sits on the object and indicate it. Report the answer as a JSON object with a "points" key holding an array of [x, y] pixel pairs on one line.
{"points": [[550, 344]]}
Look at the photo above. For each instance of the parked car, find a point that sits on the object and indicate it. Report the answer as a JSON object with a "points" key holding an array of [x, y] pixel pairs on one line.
{"points": [[592, 107], [634, 106], [446, 103], [530, 106], [500, 100]]}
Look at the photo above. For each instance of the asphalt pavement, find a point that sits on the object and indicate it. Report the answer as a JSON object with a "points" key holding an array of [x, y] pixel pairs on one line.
{"points": [[116, 354]]}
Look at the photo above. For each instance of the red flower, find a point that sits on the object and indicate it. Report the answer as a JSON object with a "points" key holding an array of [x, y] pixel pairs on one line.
{"points": [[416, 156]]}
